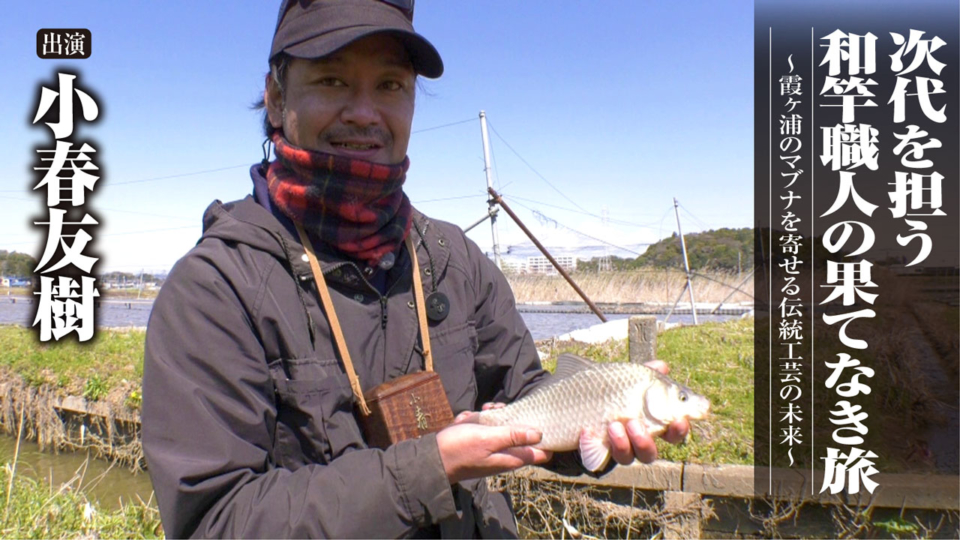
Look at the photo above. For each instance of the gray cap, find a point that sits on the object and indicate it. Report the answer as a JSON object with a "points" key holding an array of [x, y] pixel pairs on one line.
{"points": [[316, 28]]}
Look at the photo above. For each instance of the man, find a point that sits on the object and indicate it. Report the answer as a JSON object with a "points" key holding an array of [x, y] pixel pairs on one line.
{"points": [[249, 421]]}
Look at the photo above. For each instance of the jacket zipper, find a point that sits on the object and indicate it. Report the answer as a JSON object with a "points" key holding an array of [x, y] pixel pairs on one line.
{"points": [[383, 312]]}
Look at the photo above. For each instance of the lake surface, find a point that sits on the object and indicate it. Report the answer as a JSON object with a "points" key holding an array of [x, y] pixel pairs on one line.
{"points": [[97, 478], [135, 313], [112, 314]]}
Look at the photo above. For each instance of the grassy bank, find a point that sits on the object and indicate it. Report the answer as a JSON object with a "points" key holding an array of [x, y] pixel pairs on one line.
{"points": [[105, 294], [35, 509], [110, 368], [629, 286], [715, 360]]}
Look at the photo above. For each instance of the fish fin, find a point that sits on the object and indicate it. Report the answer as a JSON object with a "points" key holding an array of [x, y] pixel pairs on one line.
{"points": [[594, 450], [568, 364]]}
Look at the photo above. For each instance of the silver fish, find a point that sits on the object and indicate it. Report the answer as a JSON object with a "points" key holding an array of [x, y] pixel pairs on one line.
{"points": [[575, 407]]}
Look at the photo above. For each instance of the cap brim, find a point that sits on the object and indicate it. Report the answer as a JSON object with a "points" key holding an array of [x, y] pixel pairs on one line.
{"points": [[425, 58]]}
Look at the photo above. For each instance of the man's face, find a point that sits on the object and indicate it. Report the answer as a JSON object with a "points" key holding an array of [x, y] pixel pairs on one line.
{"points": [[357, 102]]}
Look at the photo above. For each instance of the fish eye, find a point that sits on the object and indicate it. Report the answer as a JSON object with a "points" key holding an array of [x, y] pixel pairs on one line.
{"points": [[683, 396]]}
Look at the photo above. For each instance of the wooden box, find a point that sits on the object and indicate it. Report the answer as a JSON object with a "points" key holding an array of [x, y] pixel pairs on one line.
{"points": [[406, 408]]}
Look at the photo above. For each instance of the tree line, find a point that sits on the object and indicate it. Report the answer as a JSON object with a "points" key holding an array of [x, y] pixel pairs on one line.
{"points": [[20, 265], [720, 249], [16, 265]]}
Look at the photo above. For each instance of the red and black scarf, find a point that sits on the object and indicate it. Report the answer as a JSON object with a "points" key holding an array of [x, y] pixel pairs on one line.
{"points": [[356, 206]]}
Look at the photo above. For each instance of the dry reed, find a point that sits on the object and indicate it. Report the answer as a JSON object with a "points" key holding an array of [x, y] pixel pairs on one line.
{"points": [[110, 432], [549, 509], [632, 286]]}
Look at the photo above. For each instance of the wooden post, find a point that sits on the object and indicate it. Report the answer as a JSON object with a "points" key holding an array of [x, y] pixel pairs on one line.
{"points": [[643, 338], [593, 307]]}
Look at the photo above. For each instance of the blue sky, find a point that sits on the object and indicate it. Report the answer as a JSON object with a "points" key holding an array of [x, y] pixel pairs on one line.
{"points": [[620, 105]]}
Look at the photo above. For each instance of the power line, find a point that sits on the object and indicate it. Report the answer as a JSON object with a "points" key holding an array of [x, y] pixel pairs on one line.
{"points": [[496, 171], [449, 198], [444, 125], [148, 231], [99, 210], [616, 221], [219, 169], [703, 226], [147, 214], [602, 241], [181, 175], [665, 214], [571, 201], [124, 233], [195, 173]]}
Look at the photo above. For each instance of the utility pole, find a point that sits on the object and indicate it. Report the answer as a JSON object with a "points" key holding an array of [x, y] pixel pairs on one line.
{"points": [[491, 203], [686, 263], [605, 265]]}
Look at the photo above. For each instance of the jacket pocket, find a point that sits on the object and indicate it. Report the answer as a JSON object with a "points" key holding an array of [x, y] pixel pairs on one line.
{"points": [[315, 422], [453, 358]]}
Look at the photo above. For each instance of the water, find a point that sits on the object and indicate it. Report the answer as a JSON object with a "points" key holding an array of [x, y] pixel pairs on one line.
{"points": [[112, 314], [135, 313], [100, 481], [548, 325]]}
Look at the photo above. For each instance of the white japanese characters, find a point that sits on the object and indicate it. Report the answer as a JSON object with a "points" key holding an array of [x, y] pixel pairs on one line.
{"points": [[847, 149], [791, 325], [66, 299], [916, 192]]}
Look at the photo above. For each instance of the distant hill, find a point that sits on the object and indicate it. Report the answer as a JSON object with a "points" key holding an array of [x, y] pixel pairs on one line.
{"points": [[721, 249], [718, 249]]}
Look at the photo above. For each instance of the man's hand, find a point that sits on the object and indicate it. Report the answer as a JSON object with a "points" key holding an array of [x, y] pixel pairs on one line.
{"points": [[470, 450], [631, 441]]}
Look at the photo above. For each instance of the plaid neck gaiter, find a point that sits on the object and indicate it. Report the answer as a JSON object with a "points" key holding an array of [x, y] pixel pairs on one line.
{"points": [[355, 206]]}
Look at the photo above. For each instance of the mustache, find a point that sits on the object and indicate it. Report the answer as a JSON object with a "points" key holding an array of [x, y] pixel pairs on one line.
{"points": [[338, 133]]}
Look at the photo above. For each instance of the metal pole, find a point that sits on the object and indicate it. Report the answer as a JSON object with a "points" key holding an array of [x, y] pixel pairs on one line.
{"points": [[490, 202], [675, 302], [491, 212], [497, 199], [686, 263]]}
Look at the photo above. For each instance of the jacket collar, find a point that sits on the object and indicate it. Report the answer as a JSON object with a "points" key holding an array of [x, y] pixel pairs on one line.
{"points": [[432, 247]]}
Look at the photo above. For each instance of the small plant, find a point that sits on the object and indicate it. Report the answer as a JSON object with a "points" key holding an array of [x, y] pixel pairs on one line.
{"points": [[134, 400], [95, 388], [897, 526]]}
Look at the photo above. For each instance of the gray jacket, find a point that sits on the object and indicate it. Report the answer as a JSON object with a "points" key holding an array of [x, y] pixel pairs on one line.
{"points": [[249, 426]]}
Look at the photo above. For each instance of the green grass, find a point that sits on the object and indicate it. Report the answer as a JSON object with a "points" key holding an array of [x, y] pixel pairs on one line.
{"points": [[16, 291], [715, 360], [113, 360], [36, 509], [125, 294]]}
